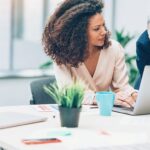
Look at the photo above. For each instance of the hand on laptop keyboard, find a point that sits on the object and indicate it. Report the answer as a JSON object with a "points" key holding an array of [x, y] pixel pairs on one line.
{"points": [[129, 102], [123, 107]]}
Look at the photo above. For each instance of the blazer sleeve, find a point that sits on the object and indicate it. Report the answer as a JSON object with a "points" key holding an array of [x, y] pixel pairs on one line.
{"points": [[62, 75], [120, 78]]}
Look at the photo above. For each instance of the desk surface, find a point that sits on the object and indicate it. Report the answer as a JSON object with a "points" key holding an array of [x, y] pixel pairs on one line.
{"points": [[119, 129]]}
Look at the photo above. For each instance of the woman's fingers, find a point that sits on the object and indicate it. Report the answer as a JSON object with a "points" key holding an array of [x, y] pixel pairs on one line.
{"points": [[94, 102], [89, 102], [130, 101], [122, 103], [89, 98], [121, 96]]}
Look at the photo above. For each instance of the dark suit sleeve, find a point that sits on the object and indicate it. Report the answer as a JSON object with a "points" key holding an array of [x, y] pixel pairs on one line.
{"points": [[141, 57], [143, 52]]}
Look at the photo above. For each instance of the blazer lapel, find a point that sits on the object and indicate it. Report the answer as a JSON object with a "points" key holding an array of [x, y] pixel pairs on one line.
{"points": [[82, 73]]}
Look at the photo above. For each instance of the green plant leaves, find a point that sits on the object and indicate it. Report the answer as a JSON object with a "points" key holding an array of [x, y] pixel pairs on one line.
{"points": [[53, 91], [124, 39], [46, 65], [70, 96]]}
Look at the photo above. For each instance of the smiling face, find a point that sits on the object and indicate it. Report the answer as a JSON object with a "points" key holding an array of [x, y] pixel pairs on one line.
{"points": [[96, 30]]}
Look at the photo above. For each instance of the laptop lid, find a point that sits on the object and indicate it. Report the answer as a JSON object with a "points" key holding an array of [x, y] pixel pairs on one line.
{"points": [[12, 119], [142, 105]]}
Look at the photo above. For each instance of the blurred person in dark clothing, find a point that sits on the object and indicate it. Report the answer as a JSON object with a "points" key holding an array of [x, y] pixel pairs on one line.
{"points": [[143, 53]]}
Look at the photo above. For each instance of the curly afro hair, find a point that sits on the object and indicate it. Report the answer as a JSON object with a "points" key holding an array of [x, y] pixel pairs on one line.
{"points": [[65, 35]]}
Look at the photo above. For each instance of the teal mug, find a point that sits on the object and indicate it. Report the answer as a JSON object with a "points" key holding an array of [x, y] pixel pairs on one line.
{"points": [[105, 101]]}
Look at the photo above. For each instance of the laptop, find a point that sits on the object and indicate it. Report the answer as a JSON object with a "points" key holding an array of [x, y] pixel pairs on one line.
{"points": [[142, 105], [13, 119]]}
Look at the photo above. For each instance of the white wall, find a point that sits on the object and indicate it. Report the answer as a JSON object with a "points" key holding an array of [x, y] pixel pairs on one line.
{"points": [[108, 13], [28, 54], [132, 15], [5, 33], [33, 19], [53, 4]]}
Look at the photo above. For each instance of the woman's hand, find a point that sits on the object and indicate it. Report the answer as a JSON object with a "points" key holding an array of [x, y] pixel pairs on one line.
{"points": [[89, 98], [128, 102], [89, 101], [134, 95]]}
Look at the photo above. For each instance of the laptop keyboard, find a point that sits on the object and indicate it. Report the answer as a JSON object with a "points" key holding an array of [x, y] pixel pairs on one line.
{"points": [[144, 146], [124, 108], [128, 108]]}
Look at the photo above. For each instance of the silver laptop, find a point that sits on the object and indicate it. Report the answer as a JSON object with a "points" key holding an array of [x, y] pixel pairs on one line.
{"points": [[142, 105], [12, 119]]}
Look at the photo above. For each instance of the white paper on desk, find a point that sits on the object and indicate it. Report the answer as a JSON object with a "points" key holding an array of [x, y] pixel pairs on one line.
{"points": [[86, 109], [43, 108], [124, 138], [84, 139], [46, 108], [90, 109], [135, 120]]}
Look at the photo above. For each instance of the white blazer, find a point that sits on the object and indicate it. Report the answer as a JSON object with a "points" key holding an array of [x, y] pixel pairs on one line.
{"points": [[110, 73]]}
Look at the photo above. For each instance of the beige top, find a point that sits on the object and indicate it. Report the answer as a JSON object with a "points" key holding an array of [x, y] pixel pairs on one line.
{"points": [[110, 73]]}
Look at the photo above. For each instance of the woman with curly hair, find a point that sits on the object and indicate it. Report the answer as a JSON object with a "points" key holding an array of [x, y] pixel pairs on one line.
{"points": [[77, 39]]}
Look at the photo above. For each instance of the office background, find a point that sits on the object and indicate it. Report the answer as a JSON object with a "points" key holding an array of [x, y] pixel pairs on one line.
{"points": [[21, 27]]}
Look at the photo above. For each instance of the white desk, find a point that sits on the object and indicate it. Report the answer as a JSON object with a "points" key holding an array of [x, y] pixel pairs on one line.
{"points": [[123, 129]]}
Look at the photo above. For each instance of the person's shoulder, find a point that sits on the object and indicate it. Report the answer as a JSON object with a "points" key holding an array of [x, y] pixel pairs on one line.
{"points": [[115, 46], [143, 34], [143, 37], [62, 69], [114, 43], [143, 42], [59, 67], [115, 50]]}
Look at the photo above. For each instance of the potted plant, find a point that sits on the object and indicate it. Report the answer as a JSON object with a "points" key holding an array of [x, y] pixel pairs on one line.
{"points": [[69, 100]]}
